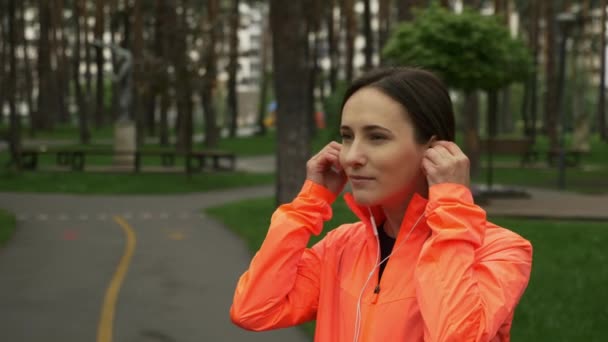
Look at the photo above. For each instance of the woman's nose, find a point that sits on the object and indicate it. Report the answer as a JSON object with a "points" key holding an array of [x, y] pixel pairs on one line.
{"points": [[353, 155]]}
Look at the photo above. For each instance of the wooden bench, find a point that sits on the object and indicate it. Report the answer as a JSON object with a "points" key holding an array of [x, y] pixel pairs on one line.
{"points": [[523, 147], [196, 161]]}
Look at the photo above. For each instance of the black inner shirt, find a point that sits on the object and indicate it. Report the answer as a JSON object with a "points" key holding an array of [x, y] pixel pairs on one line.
{"points": [[386, 247]]}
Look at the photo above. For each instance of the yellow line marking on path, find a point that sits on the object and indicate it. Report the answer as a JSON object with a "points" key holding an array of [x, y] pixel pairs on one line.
{"points": [[106, 321]]}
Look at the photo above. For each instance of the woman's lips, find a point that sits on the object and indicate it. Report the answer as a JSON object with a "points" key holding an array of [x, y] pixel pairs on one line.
{"points": [[357, 181]]}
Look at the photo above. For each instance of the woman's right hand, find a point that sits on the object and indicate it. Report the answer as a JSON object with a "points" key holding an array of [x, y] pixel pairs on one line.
{"points": [[324, 168]]}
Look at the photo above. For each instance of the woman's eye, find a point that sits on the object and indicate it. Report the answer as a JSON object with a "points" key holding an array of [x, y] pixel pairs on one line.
{"points": [[377, 137], [345, 136]]}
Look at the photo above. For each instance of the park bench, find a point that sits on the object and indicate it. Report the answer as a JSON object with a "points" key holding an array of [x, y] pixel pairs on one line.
{"points": [[523, 147], [196, 161]]}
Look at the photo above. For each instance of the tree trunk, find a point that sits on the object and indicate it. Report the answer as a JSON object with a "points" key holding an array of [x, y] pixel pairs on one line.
{"points": [[45, 85], [384, 23], [165, 17], [474, 4], [138, 64], [209, 80], [87, 52], [83, 112], [3, 52], [232, 103], [404, 8], [351, 34], [26, 62], [532, 84], [291, 75], [551, 108], [471, 130], [113, 31], [492, 109], [579, 81], [369, 36], [15, 127], [601, 113], [265, 44], [99, 88], [62, 72], [505, 115], [333, 45]]}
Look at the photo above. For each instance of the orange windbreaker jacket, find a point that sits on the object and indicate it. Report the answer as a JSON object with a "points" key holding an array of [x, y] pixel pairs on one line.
{"points": [[457, 277]]}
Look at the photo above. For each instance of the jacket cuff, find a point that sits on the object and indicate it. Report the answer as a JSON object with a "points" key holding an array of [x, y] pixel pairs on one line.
{"points": [[450, 192], [318, 191]]}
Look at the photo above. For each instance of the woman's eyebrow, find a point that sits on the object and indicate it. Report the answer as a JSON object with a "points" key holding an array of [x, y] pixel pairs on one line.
{"points": [[367, 128]]}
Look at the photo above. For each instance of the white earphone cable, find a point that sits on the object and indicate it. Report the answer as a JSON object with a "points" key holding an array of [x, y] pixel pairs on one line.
{"points": [[358, 317]]}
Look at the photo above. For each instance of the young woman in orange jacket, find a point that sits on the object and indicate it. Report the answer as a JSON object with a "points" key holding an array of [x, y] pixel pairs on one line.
{"points": [[422, 264]]}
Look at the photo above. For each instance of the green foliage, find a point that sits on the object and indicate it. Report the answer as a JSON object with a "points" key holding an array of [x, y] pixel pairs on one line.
{"points": [[127, 183], [469, 50], [7, 226]]}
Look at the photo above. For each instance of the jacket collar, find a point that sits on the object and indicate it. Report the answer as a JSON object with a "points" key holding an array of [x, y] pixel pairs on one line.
{"points": [[415, 209]]}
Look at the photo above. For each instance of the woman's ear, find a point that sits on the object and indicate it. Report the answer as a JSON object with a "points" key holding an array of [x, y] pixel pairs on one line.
{"points": [[431, 141]]}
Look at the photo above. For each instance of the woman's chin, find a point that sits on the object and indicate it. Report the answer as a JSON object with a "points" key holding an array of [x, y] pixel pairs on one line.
{"points": [[364, 199]]}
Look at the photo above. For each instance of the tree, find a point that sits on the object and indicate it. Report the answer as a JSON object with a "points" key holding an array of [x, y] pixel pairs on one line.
{"points": [[332, 44], [232, 66], [138, 70], [290, 80], [210, 28], [450, 44], [3, 52], [405, 7], [367, 32], [82, 103], [15, 125], [46, 93], [551, 100], [348, 9], [99, 61], [601, 113], [264, 73]]}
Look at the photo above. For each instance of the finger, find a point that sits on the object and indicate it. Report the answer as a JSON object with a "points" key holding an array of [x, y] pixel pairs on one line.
{"points": [[433, 156], [334, 145], [428, 167], [443, 152], [450, 146]]}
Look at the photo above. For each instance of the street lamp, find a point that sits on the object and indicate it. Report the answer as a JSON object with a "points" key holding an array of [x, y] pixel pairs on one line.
{"points": [[566, 21]]}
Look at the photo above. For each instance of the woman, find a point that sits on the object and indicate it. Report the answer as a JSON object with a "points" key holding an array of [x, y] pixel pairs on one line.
{"points": [[422, 264]]}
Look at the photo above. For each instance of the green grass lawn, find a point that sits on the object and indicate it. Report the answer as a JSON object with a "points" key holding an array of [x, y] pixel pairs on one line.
{"points": [[7, 226], [564, 301], [127, 183]]}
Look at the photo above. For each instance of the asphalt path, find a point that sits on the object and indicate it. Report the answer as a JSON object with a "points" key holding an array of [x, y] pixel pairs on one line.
{"points": [[122, 268]]}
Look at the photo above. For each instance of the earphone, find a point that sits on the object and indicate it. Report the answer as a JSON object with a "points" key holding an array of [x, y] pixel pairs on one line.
{"points": [[358, 317]]}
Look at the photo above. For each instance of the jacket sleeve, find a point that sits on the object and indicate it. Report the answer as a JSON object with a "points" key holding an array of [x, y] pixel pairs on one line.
{"points": [[464, 296], [281, 286]]}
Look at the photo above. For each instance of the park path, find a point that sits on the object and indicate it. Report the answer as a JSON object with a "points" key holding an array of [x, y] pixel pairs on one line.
{"points": [[59, 268]]}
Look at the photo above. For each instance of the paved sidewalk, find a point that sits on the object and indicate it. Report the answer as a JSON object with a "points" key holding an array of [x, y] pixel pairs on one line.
{"points": [[551, 204]]}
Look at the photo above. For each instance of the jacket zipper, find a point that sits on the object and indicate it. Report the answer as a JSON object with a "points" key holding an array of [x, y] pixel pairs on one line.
{"points": [[370, 312]]}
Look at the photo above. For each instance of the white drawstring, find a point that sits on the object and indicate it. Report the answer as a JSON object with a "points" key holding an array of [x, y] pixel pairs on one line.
{"points": [[359, 316]]}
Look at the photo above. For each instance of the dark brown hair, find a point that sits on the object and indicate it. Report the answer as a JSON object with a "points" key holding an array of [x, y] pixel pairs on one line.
{"points": [[424, 97]]}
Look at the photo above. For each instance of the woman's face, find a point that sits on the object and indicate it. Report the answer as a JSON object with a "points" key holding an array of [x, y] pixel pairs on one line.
{"points": [[379, 152]]}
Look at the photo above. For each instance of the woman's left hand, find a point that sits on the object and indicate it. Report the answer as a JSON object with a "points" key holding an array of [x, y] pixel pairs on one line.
{"points": [[444, 162]]}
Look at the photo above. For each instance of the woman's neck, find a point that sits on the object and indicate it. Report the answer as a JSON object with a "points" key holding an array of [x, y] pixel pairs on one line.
{"points": [[395, 211]]}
